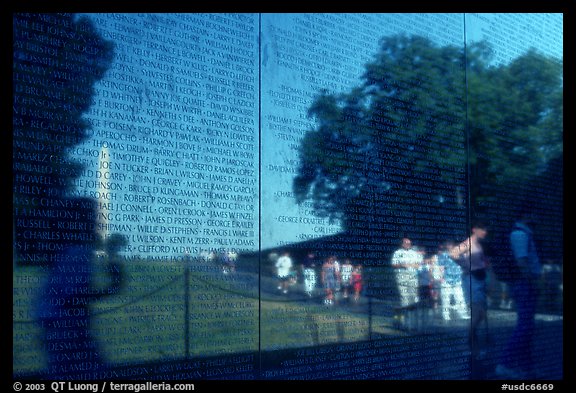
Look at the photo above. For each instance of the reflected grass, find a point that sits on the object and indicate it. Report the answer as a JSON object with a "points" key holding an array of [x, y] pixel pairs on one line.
{"points": [[163, 313], [146, 320]]}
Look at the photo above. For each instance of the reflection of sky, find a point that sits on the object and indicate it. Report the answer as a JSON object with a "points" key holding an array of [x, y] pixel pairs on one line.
{"points": [[179, 113], [512, 35]]}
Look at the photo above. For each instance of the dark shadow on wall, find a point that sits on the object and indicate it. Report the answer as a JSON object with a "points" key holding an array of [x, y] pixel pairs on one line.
{"points": [[57, 60]]}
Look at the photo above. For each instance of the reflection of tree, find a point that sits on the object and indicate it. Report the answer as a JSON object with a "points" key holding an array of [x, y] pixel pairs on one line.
{"points": [[57, 60], [515, 133], [515, 124], [400, 138]]}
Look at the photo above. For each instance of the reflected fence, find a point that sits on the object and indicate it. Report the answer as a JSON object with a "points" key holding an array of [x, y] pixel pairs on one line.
{"points": [[196, 310]]}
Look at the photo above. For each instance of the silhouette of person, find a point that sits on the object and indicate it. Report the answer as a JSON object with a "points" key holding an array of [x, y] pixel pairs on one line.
{"points": [[64, 304], [517, 361], [66, 252]]}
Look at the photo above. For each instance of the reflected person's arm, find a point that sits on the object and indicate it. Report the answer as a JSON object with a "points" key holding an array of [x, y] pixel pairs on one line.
{"points": [[458, 251]]}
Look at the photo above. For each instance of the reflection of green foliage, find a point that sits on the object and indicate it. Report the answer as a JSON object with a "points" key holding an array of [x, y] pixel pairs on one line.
{"points": [[407, 119], [515, 121], [420, 110]]}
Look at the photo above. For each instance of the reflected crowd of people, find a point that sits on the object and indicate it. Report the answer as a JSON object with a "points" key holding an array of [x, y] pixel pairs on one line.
{"points": [[452, 283], [327, 278], [449, 284]]}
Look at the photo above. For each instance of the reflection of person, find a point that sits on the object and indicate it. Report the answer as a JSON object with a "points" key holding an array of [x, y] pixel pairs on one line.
{"points": [[283, 269], [338, 275], [552, 285], [329, 277], [469, 254], [357, 282], [405, 262], [451, 289], [425, 281], [436, 277], [207, 257], [517, 360], [64, 314], [309, 273], [425, 291], [346, 277], [505, 300], [64, 306], [229, 262]]}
